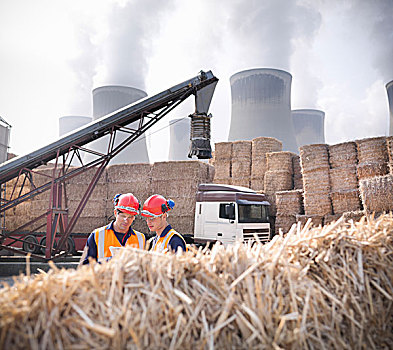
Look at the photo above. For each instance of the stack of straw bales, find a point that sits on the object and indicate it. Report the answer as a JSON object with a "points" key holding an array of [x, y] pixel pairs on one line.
{"points": [[123, 178], [179, 181], [314, 160], [278, 176], [260, 147], [315, 288], [343, 180], [241, 163], [297, 173], [372, 157], [222, 163], [289, 204], [377, 194]]}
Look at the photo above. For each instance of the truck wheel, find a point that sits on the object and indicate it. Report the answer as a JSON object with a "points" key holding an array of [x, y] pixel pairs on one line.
{"points": [[70, 246], [28, 246], [43, 242]]}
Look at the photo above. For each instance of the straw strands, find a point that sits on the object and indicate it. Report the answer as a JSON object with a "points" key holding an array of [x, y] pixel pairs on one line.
{"points": [[314, 288]]}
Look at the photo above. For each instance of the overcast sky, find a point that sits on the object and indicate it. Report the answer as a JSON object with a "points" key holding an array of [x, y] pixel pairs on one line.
{"points": [[53, 53]]}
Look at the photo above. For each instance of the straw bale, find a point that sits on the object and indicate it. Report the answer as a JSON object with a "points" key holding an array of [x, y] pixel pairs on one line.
{"points": [[317, 203], [258, 167], [241, 181], [314, 157], [298, 183], [141, 189], [284, 223], [222, 169], [343, 201], [353, 215], [241, 167], [257, 184], [241, 149], [343, 154], [280, 161], [289, 202], [278, 180], [224, 181], [314, 288], [87, 176], [180, 188], [372, 149], [93, 207], [184, 224], [328, 219], [89, 224], [377, 193], [271, 198], [76, 192], [128, 172], [343, 178], [262, 145], [317, 180], [223, 151], [316, 220], [371, 169], [178, 170]]}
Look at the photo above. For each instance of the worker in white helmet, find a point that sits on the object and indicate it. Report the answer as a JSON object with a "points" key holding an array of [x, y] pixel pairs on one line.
{"points": [[118, 233], [155, 210]]}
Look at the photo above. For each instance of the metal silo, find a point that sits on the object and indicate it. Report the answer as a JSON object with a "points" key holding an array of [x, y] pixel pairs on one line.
{"points": [[389, 89], [309, 125], [179, 139], [70, 123], [5, 129], [261, 106], [107, 99]]}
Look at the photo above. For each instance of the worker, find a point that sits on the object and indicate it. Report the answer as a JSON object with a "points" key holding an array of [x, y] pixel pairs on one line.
{"points": [[155, 210], [116, 234]]}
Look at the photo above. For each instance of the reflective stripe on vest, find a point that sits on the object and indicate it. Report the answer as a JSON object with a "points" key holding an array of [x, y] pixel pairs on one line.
{"points": [[101, 241]]}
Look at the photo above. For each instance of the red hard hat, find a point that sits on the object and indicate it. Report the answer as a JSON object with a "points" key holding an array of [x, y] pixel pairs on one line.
{"points": [[127, 203], [156, 205]]}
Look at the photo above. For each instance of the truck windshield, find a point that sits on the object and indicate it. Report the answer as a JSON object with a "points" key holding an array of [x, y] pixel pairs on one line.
{"points": [[256, 213]]}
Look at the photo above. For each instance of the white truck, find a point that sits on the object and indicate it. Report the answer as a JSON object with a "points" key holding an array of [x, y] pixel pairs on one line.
{"points": [[228, 213]]}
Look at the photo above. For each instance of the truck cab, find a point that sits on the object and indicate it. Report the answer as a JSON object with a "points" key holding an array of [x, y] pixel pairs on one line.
{"points": [[228, 214]]}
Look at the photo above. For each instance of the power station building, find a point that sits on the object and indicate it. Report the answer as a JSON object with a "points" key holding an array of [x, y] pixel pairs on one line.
{"points": [[309, 125], [261, 106]]}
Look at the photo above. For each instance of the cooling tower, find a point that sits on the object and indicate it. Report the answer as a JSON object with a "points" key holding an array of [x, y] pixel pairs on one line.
{"points": [[5, 129], [179, 139], [261, 106], [389, 89], [107, 99], [70, 123], [309, 126]]}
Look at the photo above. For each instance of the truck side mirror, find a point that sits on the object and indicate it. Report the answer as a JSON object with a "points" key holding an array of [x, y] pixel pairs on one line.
{"points": [[230, 211]]}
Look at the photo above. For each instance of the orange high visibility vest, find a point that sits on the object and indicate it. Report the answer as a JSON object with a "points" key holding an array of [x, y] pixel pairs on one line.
{"points": [[105, 238], [161, 245]]}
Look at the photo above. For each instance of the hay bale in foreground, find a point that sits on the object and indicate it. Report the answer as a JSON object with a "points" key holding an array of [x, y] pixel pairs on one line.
{"points": [[311, 289]]}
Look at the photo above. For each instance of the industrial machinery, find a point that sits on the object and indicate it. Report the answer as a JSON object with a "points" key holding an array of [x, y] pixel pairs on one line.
{"points": [[59, 224]]}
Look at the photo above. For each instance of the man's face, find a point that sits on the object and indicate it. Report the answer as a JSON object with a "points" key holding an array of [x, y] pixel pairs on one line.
{"points": [[123, 221], [155, 224]]}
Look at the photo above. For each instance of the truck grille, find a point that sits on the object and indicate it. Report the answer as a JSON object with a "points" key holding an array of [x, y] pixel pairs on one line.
{"points": [[263, 234]]}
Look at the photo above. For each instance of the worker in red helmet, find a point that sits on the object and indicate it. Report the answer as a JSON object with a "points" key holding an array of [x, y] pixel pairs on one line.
{"points": [[155, 210], [118, 233]]}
